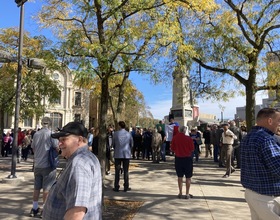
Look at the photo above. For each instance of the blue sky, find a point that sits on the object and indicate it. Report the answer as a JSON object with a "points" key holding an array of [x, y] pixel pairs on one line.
{"points": [[157, 97]]}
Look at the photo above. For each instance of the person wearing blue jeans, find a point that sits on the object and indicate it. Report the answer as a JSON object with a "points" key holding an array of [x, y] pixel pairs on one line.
{"points": [[195, 135], [216, 153]]}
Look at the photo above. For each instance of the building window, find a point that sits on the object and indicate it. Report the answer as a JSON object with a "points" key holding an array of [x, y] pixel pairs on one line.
{"points": [[55, 76], [58, 100], [56, 119], [78, 99], [77, 118], [28, 122]]}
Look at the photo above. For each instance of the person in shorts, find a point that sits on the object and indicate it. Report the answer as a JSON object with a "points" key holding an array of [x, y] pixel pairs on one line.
{"points": [[183, 148], [44, 175]]}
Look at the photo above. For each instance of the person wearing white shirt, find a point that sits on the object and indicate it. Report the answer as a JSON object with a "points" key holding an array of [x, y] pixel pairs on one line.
{"points": [[228, 138]]}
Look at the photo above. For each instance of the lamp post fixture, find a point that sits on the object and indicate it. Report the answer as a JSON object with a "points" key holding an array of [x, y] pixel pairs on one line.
{"points": [[20, 2]]}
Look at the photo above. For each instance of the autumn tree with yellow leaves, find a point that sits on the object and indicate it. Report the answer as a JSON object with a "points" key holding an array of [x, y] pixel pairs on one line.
{"points": [[233, 41], [36, 85], [108, 38]]}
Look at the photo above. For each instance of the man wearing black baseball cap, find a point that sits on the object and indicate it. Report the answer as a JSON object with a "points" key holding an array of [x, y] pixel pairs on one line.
{"points": [[79, 188], [74, 128]]}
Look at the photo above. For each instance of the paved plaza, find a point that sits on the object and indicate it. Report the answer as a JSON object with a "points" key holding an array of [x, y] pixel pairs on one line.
{"points": [[156, 184]]}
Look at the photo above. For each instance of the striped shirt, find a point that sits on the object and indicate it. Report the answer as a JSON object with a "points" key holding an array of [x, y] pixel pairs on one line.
{"points": [[260, 162]]}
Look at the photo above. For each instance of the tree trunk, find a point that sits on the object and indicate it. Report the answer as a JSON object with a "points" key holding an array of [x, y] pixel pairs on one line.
{"points": [[120, 104], [102, 123], [250, 100]]}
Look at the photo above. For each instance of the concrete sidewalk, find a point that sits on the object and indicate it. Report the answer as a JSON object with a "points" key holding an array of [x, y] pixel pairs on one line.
{"points": [[155, 184]]}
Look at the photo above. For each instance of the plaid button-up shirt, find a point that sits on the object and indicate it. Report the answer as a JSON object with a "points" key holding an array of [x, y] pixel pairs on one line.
{"points": [[260, 162]]}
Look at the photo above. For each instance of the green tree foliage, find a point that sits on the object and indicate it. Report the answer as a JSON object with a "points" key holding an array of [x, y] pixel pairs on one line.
{"points": [[108, 38], [232, 41], [132, 100], [273, 70], [36, 85]]}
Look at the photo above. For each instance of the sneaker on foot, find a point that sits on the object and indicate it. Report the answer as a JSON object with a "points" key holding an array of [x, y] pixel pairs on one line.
{"points": [[189, 196], [34, 212]]}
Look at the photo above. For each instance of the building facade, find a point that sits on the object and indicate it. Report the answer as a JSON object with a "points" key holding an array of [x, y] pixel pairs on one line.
{"points": [[73, 104]]}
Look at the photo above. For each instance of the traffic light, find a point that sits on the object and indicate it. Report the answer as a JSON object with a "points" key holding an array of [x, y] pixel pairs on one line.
{"points": [[20, 2]]}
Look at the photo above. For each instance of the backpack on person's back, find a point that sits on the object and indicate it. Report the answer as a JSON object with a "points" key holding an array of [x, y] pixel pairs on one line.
{"points": [[53, 155]]}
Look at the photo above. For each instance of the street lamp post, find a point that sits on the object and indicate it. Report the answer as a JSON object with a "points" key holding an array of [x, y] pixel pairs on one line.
{"points": [[20, 3], [33, 63]]}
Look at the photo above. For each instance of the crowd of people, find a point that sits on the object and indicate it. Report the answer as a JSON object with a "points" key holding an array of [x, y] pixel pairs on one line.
{"points": [[222, 143], [23, 143], [257, 153]]}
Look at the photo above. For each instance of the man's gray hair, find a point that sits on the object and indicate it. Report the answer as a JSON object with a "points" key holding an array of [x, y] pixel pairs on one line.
{"points": [[46, 122], [182, 129]]}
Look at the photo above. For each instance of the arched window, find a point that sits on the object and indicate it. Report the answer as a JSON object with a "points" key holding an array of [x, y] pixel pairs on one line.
{"points": [[56, 120]]}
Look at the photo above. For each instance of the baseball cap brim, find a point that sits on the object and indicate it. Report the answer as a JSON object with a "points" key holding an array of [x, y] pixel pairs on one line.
{"points": [[74, 128], [59, 134]]}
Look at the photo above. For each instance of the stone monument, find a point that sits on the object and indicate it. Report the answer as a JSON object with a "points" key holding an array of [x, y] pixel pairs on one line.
{"points": [[181, 99]]}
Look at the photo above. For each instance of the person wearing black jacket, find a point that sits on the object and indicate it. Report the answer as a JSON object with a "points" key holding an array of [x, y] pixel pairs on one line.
{"points": [[137, 147], [95, 142], [109, 148], [207, 142], [236, 144]]}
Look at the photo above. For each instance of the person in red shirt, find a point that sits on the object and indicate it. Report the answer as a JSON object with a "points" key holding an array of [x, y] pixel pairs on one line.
{"points": [[21, 136], [183, 148]]}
